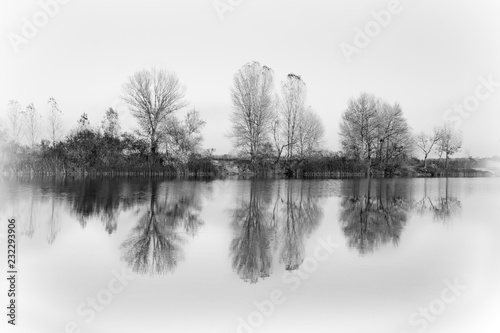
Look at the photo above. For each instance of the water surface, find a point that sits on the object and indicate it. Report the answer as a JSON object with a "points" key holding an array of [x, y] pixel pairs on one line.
{"points": [[202, 253]]}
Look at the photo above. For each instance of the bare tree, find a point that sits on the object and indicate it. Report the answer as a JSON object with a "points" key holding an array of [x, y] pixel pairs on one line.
{"points": [[194, 123], [253, 108], [358, 129], [292, 110], [14, 115], [83, 123], [310, 132], [375, 132], [32, 124], [393, 140], [152, 96], [426, 142], [450, 142], [110, 123], [54, 120], [183, 138]]}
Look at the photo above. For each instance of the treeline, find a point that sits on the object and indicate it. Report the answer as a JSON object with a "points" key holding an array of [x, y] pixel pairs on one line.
{"points": [[272, 130], [90, 149]]}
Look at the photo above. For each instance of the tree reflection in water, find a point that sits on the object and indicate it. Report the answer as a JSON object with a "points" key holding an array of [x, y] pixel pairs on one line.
{"points": [[300, 215], [251, 249], [155, 244], [442, 208], [369, 221], [260, 229]]}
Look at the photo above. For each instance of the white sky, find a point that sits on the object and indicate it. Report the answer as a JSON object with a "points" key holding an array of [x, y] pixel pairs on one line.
{"points": [[428, 58]]}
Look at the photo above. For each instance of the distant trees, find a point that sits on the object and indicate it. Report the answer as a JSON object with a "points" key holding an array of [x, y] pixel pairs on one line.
{"points": [[426, 142], [375, 132], [153, 95], [54, 122], [253, 107], [14, 121], [183, 138], [32, 124], [444, 140], [278, 131], [310, 132], [110, 123], [449, 143]]}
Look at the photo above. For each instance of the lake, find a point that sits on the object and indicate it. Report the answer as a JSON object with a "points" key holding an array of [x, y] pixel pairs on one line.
{"points": [[235, 255]]}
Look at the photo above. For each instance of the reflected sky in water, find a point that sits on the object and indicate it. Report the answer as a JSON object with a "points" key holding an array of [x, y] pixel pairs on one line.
{"points": [[203, 252]]}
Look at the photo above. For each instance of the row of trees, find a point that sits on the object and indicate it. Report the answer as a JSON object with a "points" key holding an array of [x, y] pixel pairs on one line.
{"points": [[268, 124], [26, 125], [373, 133], [443, 140], [274, 128], [376, 134], [97, 148]]}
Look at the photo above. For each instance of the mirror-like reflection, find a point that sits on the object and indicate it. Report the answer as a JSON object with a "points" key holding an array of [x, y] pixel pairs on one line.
{"points": [[251, 248], [220, 248], [264, 225], [373, 214], [443, 207], [299, 215], [270, 223], [155, 243]]}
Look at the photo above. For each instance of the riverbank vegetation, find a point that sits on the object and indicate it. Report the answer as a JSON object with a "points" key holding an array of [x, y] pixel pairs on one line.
{"points": [[273, 131]]}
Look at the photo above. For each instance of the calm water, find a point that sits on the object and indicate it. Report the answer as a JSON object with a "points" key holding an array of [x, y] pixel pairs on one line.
{"points": [[314, 255]]}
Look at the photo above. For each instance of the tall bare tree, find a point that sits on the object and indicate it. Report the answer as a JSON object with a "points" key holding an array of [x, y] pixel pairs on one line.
{"points": [[15, 115], [32, 124], [426, 142], [152, 96], [253, 108], [358, 129], [450, 142], [292, 110], [309, 136], [54, 122]]}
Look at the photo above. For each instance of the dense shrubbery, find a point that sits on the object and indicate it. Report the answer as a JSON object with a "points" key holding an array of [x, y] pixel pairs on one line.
{"points": [[89, 151]]}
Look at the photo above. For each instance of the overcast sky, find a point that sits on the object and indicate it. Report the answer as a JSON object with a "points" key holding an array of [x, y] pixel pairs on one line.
{"points": [[429, 57]]}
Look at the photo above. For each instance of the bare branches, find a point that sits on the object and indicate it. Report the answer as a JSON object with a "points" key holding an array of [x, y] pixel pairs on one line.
{"points": [[253, 108], [375, 131], [110, 124], [292, 110], [449, 143], [54, 120], [14, 115], [153, 95], [32, 124], [426, 143], [310, 132]]}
